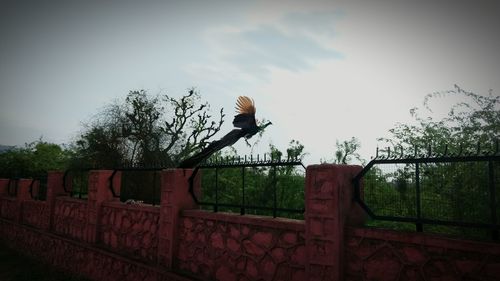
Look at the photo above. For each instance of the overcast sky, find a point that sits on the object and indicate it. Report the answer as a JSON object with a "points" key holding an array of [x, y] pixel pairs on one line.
{"points": [[319, 70]]}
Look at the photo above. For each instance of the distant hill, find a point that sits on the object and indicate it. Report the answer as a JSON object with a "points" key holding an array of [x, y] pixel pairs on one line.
{"points": [[4, 148]]}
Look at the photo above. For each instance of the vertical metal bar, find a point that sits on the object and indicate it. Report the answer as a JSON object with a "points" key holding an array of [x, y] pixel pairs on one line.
{"points": [[242, 211], [154, 187], [81, 185], [419, 225], [491, 184], [216, 206], [275, 197]]}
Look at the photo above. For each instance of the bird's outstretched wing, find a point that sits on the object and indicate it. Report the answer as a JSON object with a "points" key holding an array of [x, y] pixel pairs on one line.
{"points": [[245, 105], [245, 119]]}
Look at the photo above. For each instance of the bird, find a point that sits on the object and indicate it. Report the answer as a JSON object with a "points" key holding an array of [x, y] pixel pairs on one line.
{"points": [[246, 127]]}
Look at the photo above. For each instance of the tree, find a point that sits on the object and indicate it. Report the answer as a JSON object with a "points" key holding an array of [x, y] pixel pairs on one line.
{"points": [[467, 123], [448, 191], [347, 151], [33, 160], [147, 130], [261, 183]]}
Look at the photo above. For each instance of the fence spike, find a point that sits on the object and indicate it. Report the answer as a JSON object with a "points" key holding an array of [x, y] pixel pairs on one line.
{"points": [[388, 152], [429, 150], [376, 153], [478, 152]]}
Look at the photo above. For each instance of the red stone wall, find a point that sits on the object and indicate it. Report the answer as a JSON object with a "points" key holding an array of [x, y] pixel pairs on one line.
{"points": [[80, 258], [36, 213], [328, 203], [130, 229], [233, 247], [9, 208], [70, 218], [4, 183], [104, 239], [379, 255]]}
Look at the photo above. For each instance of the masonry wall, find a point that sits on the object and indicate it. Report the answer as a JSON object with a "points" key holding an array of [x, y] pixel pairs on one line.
{"points": [[233, 247], [130, 229], [378, 254], [104, 239]]}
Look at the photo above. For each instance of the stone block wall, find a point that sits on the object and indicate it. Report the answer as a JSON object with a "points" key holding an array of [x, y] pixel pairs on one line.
{"points": [[37, 214], [70, 218], [378, 254], [130, 229], [104, 239], [218, 246]]}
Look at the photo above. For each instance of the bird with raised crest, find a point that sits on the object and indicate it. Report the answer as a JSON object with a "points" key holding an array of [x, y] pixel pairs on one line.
{"points": [[246, 127]]}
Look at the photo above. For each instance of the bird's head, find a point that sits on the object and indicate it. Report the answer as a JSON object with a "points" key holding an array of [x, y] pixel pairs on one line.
{"points": [[264, 125]]}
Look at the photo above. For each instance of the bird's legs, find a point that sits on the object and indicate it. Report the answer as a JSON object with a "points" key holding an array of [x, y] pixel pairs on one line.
{"points": [[246, 140]]}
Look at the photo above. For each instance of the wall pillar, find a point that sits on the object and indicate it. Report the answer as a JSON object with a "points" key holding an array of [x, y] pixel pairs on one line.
{"points": [[98, 192], [55, 181], [175, 197], [23, 190], [4, 184], [22, 195], [328, 203]]}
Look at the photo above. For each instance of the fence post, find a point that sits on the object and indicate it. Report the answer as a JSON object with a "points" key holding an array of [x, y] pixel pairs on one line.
{"points": [[4, 185], [175, 197], [328, 207], [23, 190], [98, 192], [54, 188], [22, 194]]}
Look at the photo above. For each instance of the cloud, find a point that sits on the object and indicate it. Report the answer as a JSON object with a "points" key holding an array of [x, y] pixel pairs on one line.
{"points": [[269, 47], [314, 23], [294, 41]]}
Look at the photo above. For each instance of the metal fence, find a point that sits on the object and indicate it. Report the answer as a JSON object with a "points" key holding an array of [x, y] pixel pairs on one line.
{"points": [[12, 187], [38, 188], [251, 185], [445, 193], [137, 184], [75, 182]]}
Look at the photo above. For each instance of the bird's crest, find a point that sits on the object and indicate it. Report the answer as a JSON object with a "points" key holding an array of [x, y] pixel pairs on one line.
{"points": [[245, 105]]}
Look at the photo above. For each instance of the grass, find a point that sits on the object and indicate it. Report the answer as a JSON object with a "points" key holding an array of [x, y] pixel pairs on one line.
{"points": [[17, 267]]}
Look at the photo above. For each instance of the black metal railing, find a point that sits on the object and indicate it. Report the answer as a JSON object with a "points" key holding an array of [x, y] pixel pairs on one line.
{"points": [[251, 185], [448, 192], [12, 187], [75, 183], [141, 184], [38, 188]]}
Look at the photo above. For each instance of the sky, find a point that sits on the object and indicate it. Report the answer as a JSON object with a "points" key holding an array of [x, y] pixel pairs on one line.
{"points": [[321, 71]]}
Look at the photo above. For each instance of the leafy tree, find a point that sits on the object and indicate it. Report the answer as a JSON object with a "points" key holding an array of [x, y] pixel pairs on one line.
{"points": [[347, 151], [34, 159], [467, 123], [147, 130], [263, 185], [449, 191]]}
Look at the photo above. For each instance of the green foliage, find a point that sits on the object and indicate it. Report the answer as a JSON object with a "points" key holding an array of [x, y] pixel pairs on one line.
{"points": [[33, 160], [146, 130], [474, 118], [449, 191], [347, 151], [263, 186]]}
